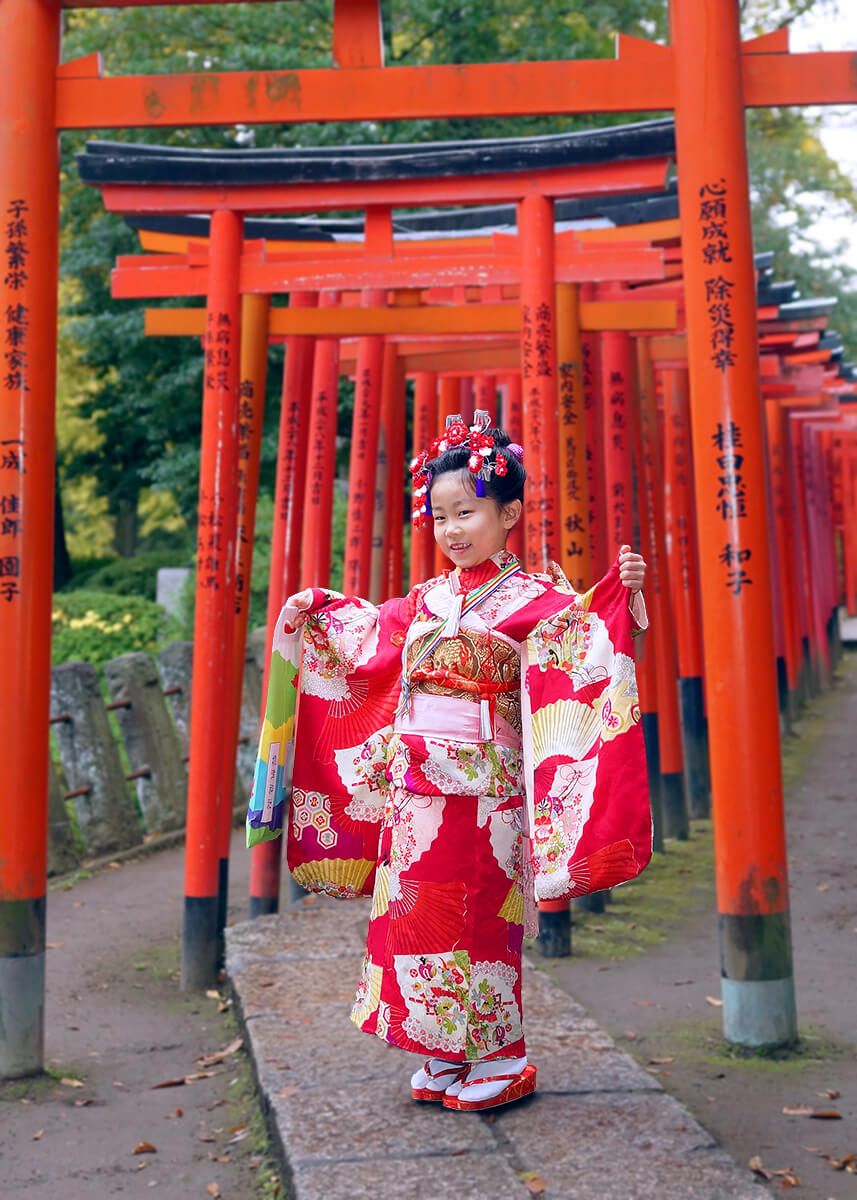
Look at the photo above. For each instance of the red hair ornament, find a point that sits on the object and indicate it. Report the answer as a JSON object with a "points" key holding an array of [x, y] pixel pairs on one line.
{"points": [[485, 459]]}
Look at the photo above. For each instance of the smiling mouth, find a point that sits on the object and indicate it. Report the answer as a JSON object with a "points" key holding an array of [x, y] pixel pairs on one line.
{"points": [[459, 547]]}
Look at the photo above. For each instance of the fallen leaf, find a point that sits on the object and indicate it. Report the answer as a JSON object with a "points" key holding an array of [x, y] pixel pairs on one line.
{"points": [[53, 945], [168, 1083], [145, 1148], [830, 1093], [824, 887], [199, 1075], [38, 1135], [239, 1135], [533, 1181], [714, 1001], [118, 1083], [660, 1062], [787, 1177], [755, 1165], [847, 1163], [254, 1162], [209, 1060], [819, 1114], [82, 1103], [213, 1190], [681, 982], [213, 994], [114, 866], [142, 1164], [206, 1137], [71, 1082], [629, 1034]]}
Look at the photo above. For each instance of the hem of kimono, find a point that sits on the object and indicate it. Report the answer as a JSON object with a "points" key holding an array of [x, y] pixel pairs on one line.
{"points": [[515, 1049]]}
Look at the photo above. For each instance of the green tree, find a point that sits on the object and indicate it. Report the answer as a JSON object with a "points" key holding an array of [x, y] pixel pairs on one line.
{"points": [[140, 398]]}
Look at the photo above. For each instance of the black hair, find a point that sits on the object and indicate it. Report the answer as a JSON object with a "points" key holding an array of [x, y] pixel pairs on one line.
{"points": [[502, 489]]}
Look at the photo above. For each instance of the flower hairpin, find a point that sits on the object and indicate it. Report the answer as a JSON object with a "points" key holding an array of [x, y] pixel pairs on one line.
{"points": [[485, 459]]}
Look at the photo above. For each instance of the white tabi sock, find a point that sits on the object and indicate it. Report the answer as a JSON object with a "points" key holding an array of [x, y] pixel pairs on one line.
{"points": [[421, 1080], [479, 1084]]}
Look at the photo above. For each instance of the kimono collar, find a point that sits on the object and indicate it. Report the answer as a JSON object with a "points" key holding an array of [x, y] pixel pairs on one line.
{"points": [[473, 577]]}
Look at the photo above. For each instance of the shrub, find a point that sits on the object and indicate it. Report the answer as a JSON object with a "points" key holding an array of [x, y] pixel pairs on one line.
{"points": [[137, 576], [97, 626]]}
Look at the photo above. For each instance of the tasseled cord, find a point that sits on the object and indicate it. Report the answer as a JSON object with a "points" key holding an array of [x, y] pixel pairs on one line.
{"points": [[486, 729], [453, 620]]}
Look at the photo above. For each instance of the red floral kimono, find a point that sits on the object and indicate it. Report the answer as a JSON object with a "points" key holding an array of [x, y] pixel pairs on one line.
{"points": [[459, 754]]}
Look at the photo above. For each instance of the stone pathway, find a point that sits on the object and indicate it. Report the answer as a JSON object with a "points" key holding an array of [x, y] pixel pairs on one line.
{"points": [[599, 1127]]}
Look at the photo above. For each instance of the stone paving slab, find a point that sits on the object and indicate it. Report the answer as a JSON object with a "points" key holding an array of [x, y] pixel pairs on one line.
{"points": [[599, 1128]]}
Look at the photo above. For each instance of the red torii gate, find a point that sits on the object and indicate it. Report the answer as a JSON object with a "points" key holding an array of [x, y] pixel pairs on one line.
{"points": [[41, 98], [160, 275]]}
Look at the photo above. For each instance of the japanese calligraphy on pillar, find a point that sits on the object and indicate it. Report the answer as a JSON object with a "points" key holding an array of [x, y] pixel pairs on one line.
{"points": [[211, 550], [681, 462], [357, 497], [16, 330], [537, 354], [15, 279], [289, 453], [316, 468], [731, 502], [713, 220], [246, 430], [618, 434], [570, 414]]}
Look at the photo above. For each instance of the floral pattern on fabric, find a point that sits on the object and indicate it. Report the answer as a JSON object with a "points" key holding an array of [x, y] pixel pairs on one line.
{"points": [[457, 1007], [413, 823], [444, 833], [368, 991], [560, 817], [440, 766]]}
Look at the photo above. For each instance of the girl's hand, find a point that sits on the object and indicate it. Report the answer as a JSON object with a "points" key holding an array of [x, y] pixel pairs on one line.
{"points": [[632, 569], [302, 601]]}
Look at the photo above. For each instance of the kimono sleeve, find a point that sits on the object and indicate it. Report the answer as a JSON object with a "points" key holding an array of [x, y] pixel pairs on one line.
{"points": [[273, 771], [587, 792], [349, 689]]}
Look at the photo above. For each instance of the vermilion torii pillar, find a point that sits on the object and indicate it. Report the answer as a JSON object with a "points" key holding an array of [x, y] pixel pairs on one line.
{"points": [[213, 615], [29, 204], [728, 449]]}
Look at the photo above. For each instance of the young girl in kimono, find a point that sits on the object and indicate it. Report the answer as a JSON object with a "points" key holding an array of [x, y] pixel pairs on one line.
{"points": [[445, 763]]}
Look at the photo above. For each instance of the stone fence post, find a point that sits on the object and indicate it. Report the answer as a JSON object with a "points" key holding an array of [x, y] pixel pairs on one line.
{"points": [[153, 748], [106, 814]]}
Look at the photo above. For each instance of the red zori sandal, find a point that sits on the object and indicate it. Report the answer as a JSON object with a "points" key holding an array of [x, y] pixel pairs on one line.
{"points": [[518, 1086], [421, 1082]]}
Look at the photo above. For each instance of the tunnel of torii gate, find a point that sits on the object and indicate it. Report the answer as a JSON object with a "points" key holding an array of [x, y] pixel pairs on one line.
{"points": [[770, 437], [462, 301]]}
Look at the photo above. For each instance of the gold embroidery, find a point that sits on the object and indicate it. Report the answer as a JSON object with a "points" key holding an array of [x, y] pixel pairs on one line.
{"points": [[477, 657]]}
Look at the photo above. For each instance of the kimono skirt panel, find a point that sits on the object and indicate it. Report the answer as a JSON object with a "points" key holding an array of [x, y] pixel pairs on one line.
{"points": [[441, 975]]}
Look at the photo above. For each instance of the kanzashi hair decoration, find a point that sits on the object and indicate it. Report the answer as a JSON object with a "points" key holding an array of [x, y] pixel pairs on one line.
{"points": [[485, 459]]}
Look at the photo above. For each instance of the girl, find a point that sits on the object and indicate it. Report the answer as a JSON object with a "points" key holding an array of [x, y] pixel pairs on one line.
{"points": [[462, 752]]}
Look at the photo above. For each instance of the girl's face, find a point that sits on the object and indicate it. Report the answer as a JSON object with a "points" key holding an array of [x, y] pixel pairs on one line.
{"points": [[469, 528]]}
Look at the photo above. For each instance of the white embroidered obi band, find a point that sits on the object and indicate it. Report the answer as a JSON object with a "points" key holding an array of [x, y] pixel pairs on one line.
{"points": [[455, 720]]}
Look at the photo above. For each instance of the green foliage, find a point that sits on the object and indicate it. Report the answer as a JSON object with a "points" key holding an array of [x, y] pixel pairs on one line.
{"points": [[135, 576], [130, 406], [97, 626]]}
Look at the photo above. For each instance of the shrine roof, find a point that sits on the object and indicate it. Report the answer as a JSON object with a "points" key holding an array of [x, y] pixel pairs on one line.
{"points": [[122, 162]]}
